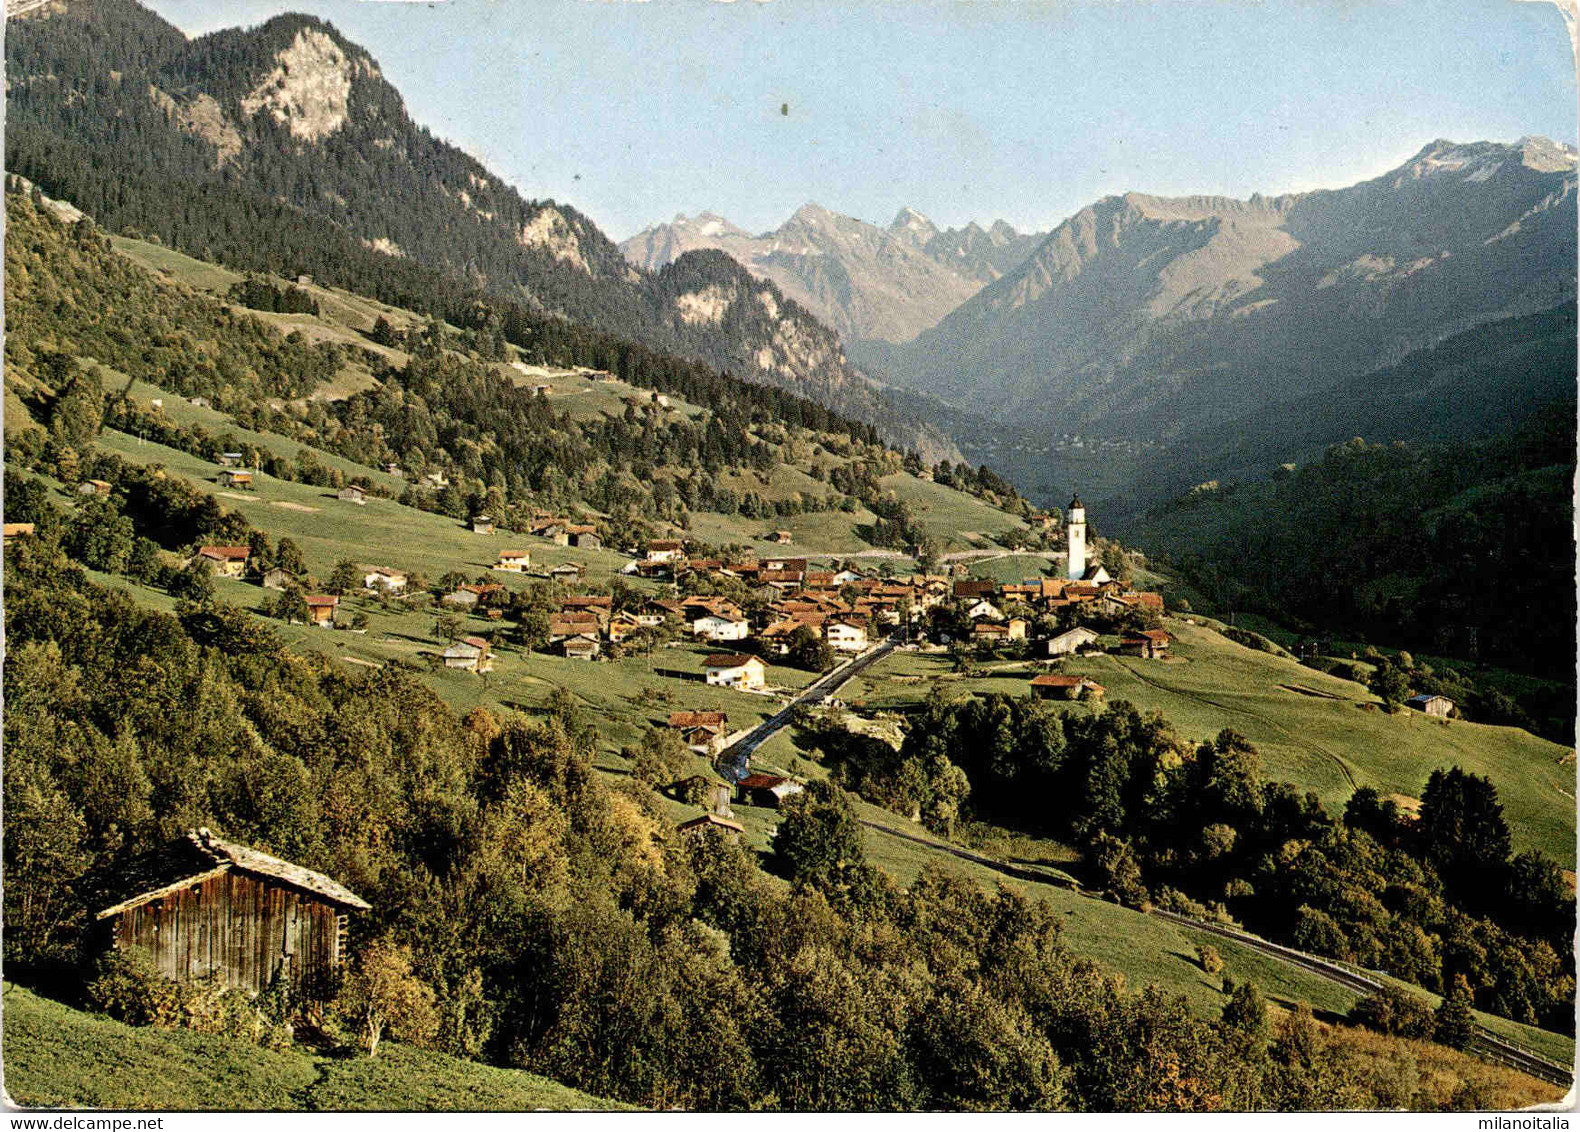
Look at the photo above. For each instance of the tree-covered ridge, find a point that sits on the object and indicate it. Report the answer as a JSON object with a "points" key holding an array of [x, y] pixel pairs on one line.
{"points": [[449, 409], [162, 144], [67, 294], [556, 921], [1459, 549]]}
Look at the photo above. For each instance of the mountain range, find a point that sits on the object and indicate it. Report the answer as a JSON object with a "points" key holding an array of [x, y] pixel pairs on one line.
{"points": [[871, 284], [1147, 318], [283, 148], [1124, 348]]}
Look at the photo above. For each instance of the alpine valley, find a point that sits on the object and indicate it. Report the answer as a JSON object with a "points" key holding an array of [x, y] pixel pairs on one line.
{"points": [[455, 662]]}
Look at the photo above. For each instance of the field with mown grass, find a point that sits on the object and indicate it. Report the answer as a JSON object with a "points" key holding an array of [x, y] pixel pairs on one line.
{"points": [[59, 1057], [380, 532], [951, 516]]}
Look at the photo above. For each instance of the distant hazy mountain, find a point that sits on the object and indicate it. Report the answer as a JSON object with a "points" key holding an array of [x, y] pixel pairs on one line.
{"points": [[1144, 318], [983, 254], [869, 283], [283, 148]]}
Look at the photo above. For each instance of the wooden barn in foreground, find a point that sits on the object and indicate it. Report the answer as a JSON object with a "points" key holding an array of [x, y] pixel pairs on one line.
{"points": [[206, 907]]}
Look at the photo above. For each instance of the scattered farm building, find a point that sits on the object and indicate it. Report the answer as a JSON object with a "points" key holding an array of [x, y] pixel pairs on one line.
{"points": [[18, 530], [767, 789], [235, 477], [93, 487], [1440, 706], [321, 609], [482, 525], [568, 572], [1057, 686], [703, 790], [514, 561], [352, 493], [383, 578], [698, 826], [1068, 642], [470, 654], [278, 578], [1149, 644], [226, 561], [583, 646], [206, 908], [703, 731], [232, 459]]}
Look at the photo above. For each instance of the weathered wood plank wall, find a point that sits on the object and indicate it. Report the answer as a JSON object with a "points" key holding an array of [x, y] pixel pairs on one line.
{"points": [[241, 929]]}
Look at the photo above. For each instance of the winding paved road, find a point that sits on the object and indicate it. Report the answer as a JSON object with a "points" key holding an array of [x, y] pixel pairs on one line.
{"points": [[734, 758]]}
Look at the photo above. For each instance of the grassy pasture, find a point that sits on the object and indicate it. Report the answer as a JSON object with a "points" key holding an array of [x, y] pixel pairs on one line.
{"points": [[1311, 729], [58, 1057], [381, 532], [948, 515]]}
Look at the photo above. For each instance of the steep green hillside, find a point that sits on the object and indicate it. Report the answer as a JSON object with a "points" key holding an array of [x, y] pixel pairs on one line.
{"points": [[637, 450], [1461, 549], [58, 1057]]}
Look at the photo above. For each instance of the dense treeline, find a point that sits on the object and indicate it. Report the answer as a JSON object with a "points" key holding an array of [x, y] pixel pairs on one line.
{"points": [[550, 916], [121, 141], [1460, 549], [1197, 828]]}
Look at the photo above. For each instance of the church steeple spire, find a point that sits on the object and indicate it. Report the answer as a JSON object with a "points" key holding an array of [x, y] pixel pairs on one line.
{"points": [[1075, 539]]}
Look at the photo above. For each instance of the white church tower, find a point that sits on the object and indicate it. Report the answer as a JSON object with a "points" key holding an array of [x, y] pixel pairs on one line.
{"points": [[1076, 538]]}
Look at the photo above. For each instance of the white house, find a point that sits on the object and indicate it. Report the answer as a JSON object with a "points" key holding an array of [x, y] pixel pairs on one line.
{"points": [[514, 561], [845, 636], [1067, 642], [380, 578], [984, 610], [469, 653], [734, 670], [716, 628], [666, 550]]}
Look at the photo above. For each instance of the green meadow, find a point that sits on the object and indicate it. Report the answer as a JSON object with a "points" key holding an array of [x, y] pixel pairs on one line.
{"points": [[1324, 734], [58, 1057]]}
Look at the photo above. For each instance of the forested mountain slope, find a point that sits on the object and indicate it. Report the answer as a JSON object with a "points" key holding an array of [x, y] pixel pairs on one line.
{"points": [[283, 148], [439, 400], [1464, 549]]}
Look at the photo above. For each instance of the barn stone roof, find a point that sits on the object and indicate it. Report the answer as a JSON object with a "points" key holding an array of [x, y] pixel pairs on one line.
{"points": [[200, 855]]}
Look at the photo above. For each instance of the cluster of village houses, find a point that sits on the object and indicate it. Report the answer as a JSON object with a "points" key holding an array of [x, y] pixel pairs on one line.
{"points": [[841, 607]]}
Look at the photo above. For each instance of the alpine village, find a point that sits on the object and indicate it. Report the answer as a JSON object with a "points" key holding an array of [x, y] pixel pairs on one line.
{"points": [[454, 661]]}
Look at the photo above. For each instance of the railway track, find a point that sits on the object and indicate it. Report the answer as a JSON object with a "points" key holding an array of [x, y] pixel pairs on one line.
{"points": [[1485, 1043]]}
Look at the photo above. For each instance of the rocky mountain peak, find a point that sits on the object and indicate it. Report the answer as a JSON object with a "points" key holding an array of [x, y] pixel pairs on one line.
{"points": [[309, 88], [913, 227]]}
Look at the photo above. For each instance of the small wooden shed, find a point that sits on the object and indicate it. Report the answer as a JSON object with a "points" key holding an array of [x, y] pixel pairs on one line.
{"points": [[1440, 706], [204, 907]]}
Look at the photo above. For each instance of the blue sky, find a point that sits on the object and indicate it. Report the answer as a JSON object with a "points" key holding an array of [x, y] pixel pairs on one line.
{"points": [[962, 109]]}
